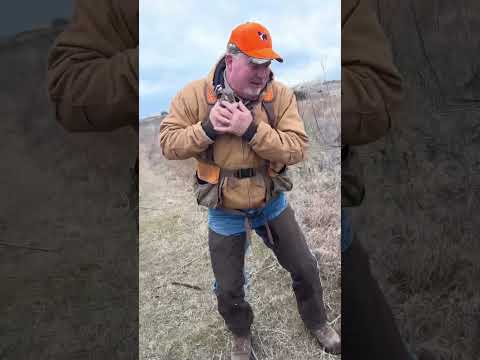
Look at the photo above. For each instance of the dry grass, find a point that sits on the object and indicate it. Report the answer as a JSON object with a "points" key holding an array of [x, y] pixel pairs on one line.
{"points": [[178, 322]]}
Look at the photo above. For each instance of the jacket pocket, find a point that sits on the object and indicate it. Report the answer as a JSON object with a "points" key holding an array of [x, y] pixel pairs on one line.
{"points": [[207, 194], [280, 182]]}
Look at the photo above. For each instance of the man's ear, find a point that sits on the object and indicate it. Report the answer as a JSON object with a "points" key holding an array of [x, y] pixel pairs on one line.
{"points": [[228, 61]]}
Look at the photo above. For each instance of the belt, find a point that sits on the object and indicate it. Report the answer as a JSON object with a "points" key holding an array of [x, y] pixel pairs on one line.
{"points": [[242, 173], [245, 173]]}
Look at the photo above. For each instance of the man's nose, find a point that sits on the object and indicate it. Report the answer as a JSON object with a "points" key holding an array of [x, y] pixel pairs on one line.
{"points": [[263, 72]]}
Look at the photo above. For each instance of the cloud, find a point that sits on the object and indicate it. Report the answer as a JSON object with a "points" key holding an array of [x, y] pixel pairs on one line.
{"points": [[180, 42]]}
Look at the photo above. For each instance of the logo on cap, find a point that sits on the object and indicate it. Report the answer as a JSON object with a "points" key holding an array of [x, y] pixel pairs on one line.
{"points": [[263, 36]]}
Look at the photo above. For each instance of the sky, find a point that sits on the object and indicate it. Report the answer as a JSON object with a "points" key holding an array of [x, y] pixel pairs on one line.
{"points": [[180, 41]]}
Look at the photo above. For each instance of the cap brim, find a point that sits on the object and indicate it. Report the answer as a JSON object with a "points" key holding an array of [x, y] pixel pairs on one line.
{"points": [[264, 55], [259, 61]]}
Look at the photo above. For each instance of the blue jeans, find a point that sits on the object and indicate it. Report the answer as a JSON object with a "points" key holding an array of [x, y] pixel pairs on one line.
{"points": [[226, 223]]}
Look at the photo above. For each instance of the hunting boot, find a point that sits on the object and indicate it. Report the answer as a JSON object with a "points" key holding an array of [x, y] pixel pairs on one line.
{"points": [[241, 347], [328, 339]]}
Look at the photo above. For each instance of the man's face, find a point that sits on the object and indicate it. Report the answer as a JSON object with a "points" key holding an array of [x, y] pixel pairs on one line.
{"points": [[246, 78]]}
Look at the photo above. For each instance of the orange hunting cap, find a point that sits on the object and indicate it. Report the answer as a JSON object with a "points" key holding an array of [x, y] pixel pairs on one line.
{"points": [[254, 40]]}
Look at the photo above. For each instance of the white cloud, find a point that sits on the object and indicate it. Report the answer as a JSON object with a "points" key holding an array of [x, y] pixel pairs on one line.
{"points": [[180, 41]]}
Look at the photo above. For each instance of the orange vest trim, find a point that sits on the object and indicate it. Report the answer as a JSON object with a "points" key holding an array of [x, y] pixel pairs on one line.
{"points": [[208, 172], [211, 97], [268, 97]]}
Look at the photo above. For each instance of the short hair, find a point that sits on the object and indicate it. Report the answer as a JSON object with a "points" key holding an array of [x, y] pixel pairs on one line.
{"points": [[233, 49]]}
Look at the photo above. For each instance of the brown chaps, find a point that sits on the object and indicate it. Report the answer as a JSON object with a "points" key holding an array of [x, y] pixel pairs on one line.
{"points": [[227, 254]]}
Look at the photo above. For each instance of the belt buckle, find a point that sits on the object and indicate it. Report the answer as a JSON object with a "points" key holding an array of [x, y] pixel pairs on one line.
{"points": [[245, 173]]}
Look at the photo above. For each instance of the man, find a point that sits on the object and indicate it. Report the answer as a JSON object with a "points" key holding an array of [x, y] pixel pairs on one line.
{"points": [[371, 90], [243, 147]]}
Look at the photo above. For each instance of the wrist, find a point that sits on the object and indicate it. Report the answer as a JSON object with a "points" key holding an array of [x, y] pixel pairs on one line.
{"points": [[207, 126], [250, 132]]}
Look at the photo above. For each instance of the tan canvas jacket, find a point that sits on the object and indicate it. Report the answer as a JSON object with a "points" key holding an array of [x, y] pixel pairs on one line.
{"points": [[182, 137], [93, 67]]}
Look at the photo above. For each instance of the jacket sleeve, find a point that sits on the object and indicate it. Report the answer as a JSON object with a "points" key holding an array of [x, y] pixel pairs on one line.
{"points": [[371, 84], [181, 132], [287, 143], [93, 69]]}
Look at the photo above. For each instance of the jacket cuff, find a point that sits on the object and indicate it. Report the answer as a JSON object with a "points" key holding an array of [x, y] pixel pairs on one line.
{"points": [[250, 132], [209, 130]]}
